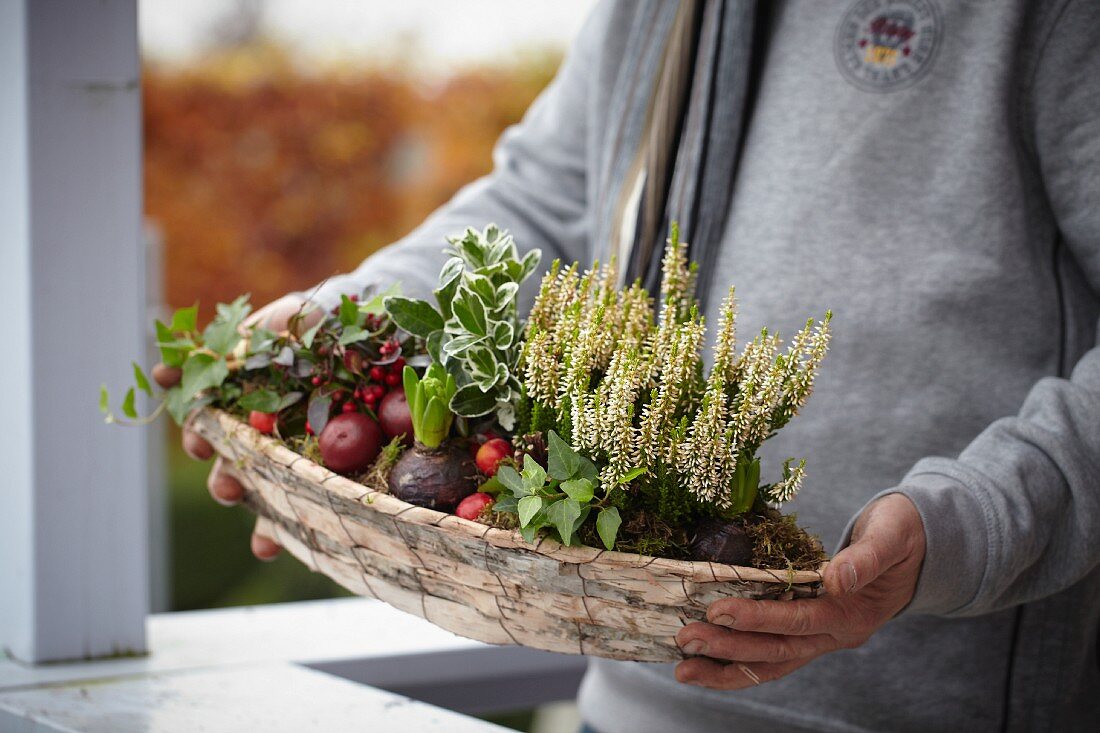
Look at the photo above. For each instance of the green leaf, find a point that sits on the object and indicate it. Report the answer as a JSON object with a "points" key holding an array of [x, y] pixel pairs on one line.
{"points": [[533, 474], [141, 380], [506, 503], [528, 507], [200, 372], [104, 400], [185, 319], [491, 486], [564, 462], [434, 344], [469, 312], [172, 351], [587, 469], [632, 474], [456, 345], [503, 334], [308, 336], [563, 514], [580, 490], [317, 411], [290, 398], [471, 401], [223, 333], [530, 262], [353, 335], [511, 480], [607, 526], [376, 305], [349, 312], [260, 400], [415, 316], [128, 404], [435, 423]]}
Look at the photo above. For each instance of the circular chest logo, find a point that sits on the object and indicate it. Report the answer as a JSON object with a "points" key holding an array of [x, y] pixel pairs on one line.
{"points": [[887, 45]]}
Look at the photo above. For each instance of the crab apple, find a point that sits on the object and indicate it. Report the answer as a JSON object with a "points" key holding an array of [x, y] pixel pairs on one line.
{"points": [[350, 442], [491, 454], [394, 416], [472, 506], [262, 421]]}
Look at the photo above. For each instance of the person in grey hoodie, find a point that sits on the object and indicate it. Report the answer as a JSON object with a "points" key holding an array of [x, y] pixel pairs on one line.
{"points": [[930, 171]]}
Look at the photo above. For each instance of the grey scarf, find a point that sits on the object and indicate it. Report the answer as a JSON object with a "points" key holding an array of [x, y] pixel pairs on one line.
{"points": [[680, 101]]}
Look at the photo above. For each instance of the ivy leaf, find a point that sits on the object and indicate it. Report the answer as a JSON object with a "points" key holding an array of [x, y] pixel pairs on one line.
{"points": [[511, 480], [104, 400], [376, 304], [563, 514], [200, 372], [505, 503], [317, 411], [580, 490], [185, 319], [308, 336], [349, 312], [607, 526], [471, 401], [223, 333], [353, 335], [491, 486], [632, 474], [533, 474], [564, 462], [128, 404], [173, 351], [417, 317], [141, 380], [179, 406], [528, 507]]}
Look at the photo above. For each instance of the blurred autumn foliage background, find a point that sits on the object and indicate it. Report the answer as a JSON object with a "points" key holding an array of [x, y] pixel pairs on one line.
{"points": [[268, 170], [263, 177]]}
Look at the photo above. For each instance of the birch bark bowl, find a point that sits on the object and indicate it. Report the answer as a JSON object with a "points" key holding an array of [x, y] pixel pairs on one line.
{"points": [[476, 581]]}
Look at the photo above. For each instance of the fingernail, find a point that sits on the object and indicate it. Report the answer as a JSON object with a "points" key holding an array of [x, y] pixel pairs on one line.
{"points": [[848, 575], [724, 620], [695, 646]]}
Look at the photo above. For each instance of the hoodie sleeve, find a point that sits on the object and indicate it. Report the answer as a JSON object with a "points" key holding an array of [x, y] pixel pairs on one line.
{"points": [[1016, 516], [537, 189]]}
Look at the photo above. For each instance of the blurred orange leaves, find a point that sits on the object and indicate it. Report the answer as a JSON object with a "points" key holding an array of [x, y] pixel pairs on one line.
{"points": [[265, 178]]}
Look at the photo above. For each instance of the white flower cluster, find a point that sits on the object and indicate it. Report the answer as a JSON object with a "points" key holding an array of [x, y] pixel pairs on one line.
{"points": [[633, 386]]}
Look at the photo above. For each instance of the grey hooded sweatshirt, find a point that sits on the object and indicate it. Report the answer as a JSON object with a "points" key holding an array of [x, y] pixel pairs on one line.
{"points": [[936, 183]]}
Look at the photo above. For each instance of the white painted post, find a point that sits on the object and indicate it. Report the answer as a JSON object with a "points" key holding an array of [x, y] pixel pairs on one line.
{"points": [[73, 516]]}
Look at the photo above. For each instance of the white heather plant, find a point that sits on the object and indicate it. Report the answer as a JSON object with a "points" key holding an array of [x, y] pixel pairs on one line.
{"points": [[475, 332], [629, 390]]}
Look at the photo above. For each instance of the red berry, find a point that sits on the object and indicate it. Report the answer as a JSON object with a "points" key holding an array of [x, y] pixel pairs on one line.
{"points": [[393, 380], [349, 406], [353, 298], [472, 506], [316, 381], [397, 365], [378, 391], [309, 428], [262, 421], [377, 373], [350, 443], [370, 400], [491, 454]]}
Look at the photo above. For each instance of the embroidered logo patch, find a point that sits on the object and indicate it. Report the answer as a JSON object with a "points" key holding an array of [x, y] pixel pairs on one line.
{"points": [[887, 45]]}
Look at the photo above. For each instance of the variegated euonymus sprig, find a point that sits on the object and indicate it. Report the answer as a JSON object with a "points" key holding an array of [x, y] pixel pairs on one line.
{"points": [[473, 330], [633, 392]]}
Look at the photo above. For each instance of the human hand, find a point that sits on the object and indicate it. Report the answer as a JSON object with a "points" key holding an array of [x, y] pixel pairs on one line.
{"points": [[226, 489], [749, 642]]}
